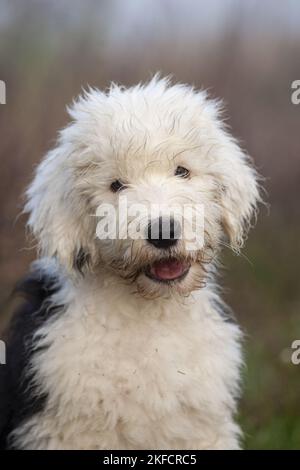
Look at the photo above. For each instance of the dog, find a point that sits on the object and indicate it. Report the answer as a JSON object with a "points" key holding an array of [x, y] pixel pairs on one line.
{"points": [[123, 342]]}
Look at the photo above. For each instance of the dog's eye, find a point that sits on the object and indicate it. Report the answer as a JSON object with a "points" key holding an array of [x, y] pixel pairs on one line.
{"points": [[117, 185], [182, 172]]}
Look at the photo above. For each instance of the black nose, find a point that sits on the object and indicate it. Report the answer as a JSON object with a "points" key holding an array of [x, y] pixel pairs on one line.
{"points": [[163, 233]]}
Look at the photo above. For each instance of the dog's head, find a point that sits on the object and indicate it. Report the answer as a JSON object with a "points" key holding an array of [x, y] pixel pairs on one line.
{"points": [[145, 182]]}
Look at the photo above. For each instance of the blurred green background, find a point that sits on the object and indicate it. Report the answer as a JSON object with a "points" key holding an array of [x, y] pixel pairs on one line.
{"points": [[246, 52]]}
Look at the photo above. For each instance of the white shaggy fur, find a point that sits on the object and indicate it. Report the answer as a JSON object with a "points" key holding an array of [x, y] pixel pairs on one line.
{"points": [[137, 364]]}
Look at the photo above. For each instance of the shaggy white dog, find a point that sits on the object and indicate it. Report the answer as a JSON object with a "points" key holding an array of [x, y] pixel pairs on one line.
{"points": [[134, 349]]}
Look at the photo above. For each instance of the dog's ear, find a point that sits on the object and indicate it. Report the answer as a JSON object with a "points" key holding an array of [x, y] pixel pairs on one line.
{"points": [[238, 192], [58, 217]]}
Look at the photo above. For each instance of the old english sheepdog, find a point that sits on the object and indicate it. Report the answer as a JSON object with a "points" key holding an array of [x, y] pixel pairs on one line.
{"points": [[123, 341]]}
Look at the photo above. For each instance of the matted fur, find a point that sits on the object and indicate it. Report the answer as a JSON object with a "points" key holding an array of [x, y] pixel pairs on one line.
{"points": [[130, 363]]}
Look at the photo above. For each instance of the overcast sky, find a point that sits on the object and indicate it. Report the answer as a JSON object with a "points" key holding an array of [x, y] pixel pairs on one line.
{"points": [[126, 18]]}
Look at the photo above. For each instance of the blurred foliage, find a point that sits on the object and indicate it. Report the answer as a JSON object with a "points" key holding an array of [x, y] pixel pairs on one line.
{"points": [[264, 292], [48, 53]]}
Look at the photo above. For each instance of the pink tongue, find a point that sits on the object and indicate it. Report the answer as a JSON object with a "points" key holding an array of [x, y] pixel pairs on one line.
{"points": [[168, 270]]}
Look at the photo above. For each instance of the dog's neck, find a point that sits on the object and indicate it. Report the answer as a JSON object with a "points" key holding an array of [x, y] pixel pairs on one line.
{"points": [[93, 289], [105, 291]]}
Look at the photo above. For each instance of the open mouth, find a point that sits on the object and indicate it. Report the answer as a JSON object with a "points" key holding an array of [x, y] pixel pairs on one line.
{"points": [[168, 270]]}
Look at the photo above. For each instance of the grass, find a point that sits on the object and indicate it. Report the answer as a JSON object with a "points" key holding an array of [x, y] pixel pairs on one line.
{"points": [[265, 296]]}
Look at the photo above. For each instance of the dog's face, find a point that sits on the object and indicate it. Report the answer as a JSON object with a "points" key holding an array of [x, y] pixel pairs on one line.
{"points": [[164, 246], [159, 154]]}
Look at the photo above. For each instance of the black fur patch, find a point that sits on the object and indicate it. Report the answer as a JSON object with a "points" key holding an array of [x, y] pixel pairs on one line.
{"points": [[81, 258], [18, 400]]}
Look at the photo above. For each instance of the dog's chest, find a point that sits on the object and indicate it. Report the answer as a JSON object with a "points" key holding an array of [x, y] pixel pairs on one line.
{"points": [[118, 383]]}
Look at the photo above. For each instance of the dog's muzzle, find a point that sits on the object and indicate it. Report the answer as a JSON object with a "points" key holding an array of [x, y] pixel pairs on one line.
{"points": [[163, 232]]}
